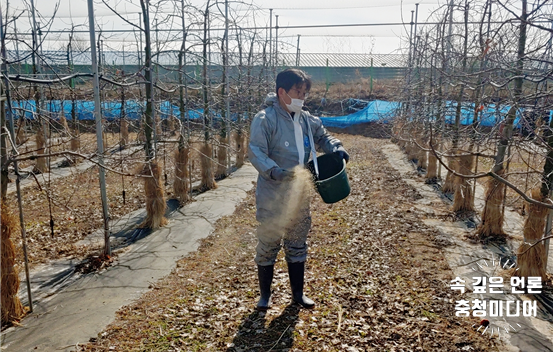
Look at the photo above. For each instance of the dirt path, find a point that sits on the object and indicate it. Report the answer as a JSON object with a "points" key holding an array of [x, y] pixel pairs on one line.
{"points": [[375, 270]]}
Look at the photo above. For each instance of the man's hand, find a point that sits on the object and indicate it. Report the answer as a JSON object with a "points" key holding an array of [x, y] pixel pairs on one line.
{"points": [[341, 152], [279, 174]]}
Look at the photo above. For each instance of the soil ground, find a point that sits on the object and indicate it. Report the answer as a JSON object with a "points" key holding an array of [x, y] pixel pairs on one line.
{"points": [[376, 272]]}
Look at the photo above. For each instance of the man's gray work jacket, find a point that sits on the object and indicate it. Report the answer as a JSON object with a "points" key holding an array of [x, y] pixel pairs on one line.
{"points": [[273, 144]]}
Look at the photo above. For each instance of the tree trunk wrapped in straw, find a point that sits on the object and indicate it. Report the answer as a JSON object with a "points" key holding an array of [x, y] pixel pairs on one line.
{"points": [[222, 157], [76, 141], [141, 136], [449, 183], [239, 149], [180, 186], [40, 166], [12, 309], [422, 160], [246, 142], [155, 197], [20, 135], [171, 125], [105, 141], [208, 179], [492, 216], [432, 168], [124, 133], [64, 126], [464, 198], [532, 262], [410, 150], [159, 130]]}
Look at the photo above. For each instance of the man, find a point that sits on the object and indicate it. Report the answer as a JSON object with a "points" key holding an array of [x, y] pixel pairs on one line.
{"points": [[281, 141]]}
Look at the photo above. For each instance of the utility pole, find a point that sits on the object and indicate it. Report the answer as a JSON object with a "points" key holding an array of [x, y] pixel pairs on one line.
{"points": [[141, 46], [98, 118], [16, 42], [298, 52], [227, 89], [270, 40], [276, 46]]}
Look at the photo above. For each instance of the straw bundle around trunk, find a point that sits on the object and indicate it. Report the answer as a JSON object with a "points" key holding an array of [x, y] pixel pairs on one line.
{"points": [[124, 133], [41, 165], [141, 135], [432, 168], [409, 150], [208, 179], [76, 141], [464, 198], [492, 216], [180, 186], [222, 158], [64, 125], [422, 157], [246, 142], [105, 140], [532, 263], [155, 197], [449, 184], [171, 126], [239, 137], [159, 131], [20, 134], [12, 309]]}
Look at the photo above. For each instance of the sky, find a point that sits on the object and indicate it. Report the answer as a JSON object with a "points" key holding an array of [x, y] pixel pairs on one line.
{"points": [[368, 39]]}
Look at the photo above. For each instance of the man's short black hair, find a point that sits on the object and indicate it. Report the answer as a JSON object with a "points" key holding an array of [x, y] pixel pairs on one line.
{"points": [[292, 77]]}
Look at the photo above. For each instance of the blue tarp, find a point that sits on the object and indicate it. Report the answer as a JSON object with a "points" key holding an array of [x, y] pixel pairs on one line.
{"points": [[376, 110], [384, 112], [110, 110]]}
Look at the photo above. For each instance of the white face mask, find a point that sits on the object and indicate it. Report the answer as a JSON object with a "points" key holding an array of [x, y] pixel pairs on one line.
{"points": [[295, 105]]}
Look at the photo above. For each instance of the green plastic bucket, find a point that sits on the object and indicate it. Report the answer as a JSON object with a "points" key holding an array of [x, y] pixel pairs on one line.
{"points": [[332, 183]]}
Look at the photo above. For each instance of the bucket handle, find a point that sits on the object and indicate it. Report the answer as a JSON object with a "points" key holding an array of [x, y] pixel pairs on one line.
{"points": [[313, 151]]}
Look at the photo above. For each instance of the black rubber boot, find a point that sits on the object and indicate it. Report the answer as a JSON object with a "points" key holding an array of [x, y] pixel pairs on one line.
{"points": [[296, 272], [265, 275]]}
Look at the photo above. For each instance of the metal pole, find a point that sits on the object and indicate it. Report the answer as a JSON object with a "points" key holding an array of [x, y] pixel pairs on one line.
{"points": [[98, 118], [409, 65], [16, 42], [415, 35], [270, 39], [298, 52], [141, 47], [227, 88], [276, 46], [15, 164]]}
